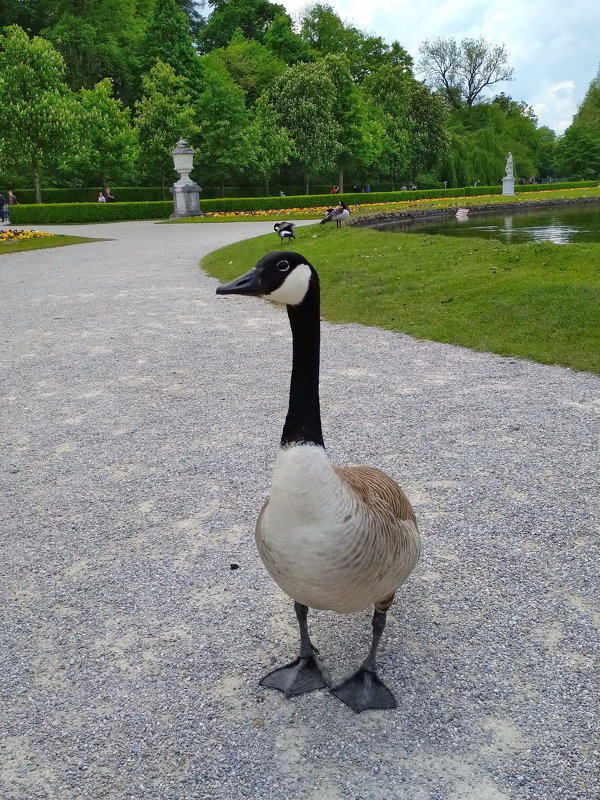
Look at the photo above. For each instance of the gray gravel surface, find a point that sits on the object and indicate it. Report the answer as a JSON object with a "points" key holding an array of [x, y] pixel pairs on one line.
{"points": [[140, 418]]}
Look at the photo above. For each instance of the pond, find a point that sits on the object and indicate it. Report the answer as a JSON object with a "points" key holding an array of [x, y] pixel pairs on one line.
{"points": [[561, 225]]}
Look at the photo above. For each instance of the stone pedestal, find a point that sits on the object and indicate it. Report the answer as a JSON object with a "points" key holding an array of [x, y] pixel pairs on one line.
{"points": [[186, 198], [508, 185]]}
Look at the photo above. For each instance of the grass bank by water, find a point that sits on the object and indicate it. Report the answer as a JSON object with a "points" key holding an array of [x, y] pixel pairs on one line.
{"points": [[538, 300]]}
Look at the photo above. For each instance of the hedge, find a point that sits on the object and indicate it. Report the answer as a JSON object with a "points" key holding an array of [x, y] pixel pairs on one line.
{"points": [[142, 194], [106, 212], [60, 213]]}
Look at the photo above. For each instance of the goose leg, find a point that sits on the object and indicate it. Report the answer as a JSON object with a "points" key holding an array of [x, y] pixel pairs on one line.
{"points": [[364, 690], [304, 674]]}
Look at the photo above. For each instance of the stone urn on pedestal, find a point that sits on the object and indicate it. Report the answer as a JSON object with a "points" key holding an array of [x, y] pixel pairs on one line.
{"points": [[186, 193]]}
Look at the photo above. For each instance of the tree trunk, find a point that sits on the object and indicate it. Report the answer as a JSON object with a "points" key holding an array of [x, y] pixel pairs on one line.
{"points": [[222, 185], [306, 183], [36, 182], [267, 184], [341, 181]]}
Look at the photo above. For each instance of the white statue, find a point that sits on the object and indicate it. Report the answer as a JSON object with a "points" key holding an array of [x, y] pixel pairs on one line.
{"points": [[509, 166]]}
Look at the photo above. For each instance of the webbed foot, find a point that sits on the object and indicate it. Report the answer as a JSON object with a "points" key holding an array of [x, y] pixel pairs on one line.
{"points": [[363, 691], [302, 675]]}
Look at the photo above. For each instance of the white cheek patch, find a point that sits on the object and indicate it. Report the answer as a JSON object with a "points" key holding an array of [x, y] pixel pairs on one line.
{"points": [[294, 288]]}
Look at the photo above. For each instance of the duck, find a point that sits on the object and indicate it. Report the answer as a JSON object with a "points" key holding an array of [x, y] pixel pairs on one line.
{"points": [[333, 538], [286, 230], [337, 214]]}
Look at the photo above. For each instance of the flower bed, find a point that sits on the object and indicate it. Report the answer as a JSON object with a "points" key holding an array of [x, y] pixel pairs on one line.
{"points": [[14, 235]]}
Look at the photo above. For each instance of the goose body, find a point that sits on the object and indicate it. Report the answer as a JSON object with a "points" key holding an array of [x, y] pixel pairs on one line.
{"points": [[337, 214], [335, 538]]}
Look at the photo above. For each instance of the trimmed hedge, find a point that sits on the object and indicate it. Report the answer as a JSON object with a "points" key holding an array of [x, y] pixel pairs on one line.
{"points": [[57, 213], [60, 213], [124, 194], [141, 194]]}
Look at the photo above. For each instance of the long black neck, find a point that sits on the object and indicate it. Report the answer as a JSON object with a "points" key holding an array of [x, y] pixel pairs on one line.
{"points": [[303, 421]]}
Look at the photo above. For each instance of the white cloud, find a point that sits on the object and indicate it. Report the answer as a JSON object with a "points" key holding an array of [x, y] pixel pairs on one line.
{"points": [[555, 104]]}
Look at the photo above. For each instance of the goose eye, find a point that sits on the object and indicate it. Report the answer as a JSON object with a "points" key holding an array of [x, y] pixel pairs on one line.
{"points": [[283, 266]]}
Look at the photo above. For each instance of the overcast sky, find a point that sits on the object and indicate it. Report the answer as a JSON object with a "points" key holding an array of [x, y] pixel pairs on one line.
{"points": [[552, 44]]}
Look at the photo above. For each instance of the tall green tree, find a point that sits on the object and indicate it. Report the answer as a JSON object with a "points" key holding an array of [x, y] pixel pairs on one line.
{"points": [[304, 96], [327, 33], [252, 17], [388, 93], [224, 147], [38, 113], [163, 115], [169, 39], [578, 153], [252, 66], [588, 113], [110, 141], [271, 144], [359, 136], [285, 43]]}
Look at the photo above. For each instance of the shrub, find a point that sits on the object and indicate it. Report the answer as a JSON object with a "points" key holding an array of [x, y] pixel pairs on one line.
{"points": [[60, 213]]}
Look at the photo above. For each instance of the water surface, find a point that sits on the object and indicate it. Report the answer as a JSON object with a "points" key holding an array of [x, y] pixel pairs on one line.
{"points": [[561, 225]]}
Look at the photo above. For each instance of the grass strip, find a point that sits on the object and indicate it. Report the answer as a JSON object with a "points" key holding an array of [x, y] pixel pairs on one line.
{"points": [[42, 244]]}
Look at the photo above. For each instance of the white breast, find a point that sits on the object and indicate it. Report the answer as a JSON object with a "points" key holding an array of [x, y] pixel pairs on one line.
{"points": [[317, 545]]}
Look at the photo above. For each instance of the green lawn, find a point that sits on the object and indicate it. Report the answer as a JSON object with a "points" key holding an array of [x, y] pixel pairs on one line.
{"points": [[539, 301], [41, 244]]}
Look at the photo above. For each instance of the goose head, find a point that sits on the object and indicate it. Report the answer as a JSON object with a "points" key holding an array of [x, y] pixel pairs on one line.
{"points": [[283, 276]]}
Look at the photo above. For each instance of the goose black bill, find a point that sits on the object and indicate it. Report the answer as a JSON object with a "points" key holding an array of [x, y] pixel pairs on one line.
{"points": [[249, 283]]}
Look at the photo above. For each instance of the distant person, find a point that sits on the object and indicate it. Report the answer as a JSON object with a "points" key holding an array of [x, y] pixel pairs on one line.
{"points": [[109, 196], [12, 199], [2, 212], [281, 193], [101, 198], [335, 189], [368, 187]]}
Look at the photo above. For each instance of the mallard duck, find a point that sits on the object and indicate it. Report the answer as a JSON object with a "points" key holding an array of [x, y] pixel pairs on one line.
{"points": [[337, 538]]}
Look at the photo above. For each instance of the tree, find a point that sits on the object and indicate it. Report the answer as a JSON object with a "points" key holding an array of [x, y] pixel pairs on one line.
{"points": [[251, 65], [38, 113], [304, 96], [284, 43], [252, 17], [389, 101], [588, 114], [224, 147], [271, 145], [31, 15], [101, 39], [463, 71], [359, 137], [426, 120], [578, 153], [326, 33], [110, 142], [163, 116], [168, 39]]}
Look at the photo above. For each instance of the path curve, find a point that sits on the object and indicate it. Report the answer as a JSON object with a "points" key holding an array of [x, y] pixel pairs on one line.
{"points": [[141, 416]]}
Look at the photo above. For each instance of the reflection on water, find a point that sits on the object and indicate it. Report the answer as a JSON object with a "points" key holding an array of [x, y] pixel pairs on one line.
{"points": [[559, 225]]}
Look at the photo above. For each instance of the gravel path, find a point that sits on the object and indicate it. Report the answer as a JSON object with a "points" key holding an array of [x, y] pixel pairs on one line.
{"points": [[141, 416]]}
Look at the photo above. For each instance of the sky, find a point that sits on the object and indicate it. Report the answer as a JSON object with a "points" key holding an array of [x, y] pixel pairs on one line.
{"points": [[552, 44]]}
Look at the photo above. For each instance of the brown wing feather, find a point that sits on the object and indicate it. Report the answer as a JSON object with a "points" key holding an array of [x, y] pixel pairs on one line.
{"points": [[377, 490]]}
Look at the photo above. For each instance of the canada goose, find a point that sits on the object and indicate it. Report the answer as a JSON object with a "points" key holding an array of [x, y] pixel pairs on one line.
{"points": [[286, 230], [337, 214], [337, 538]]}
